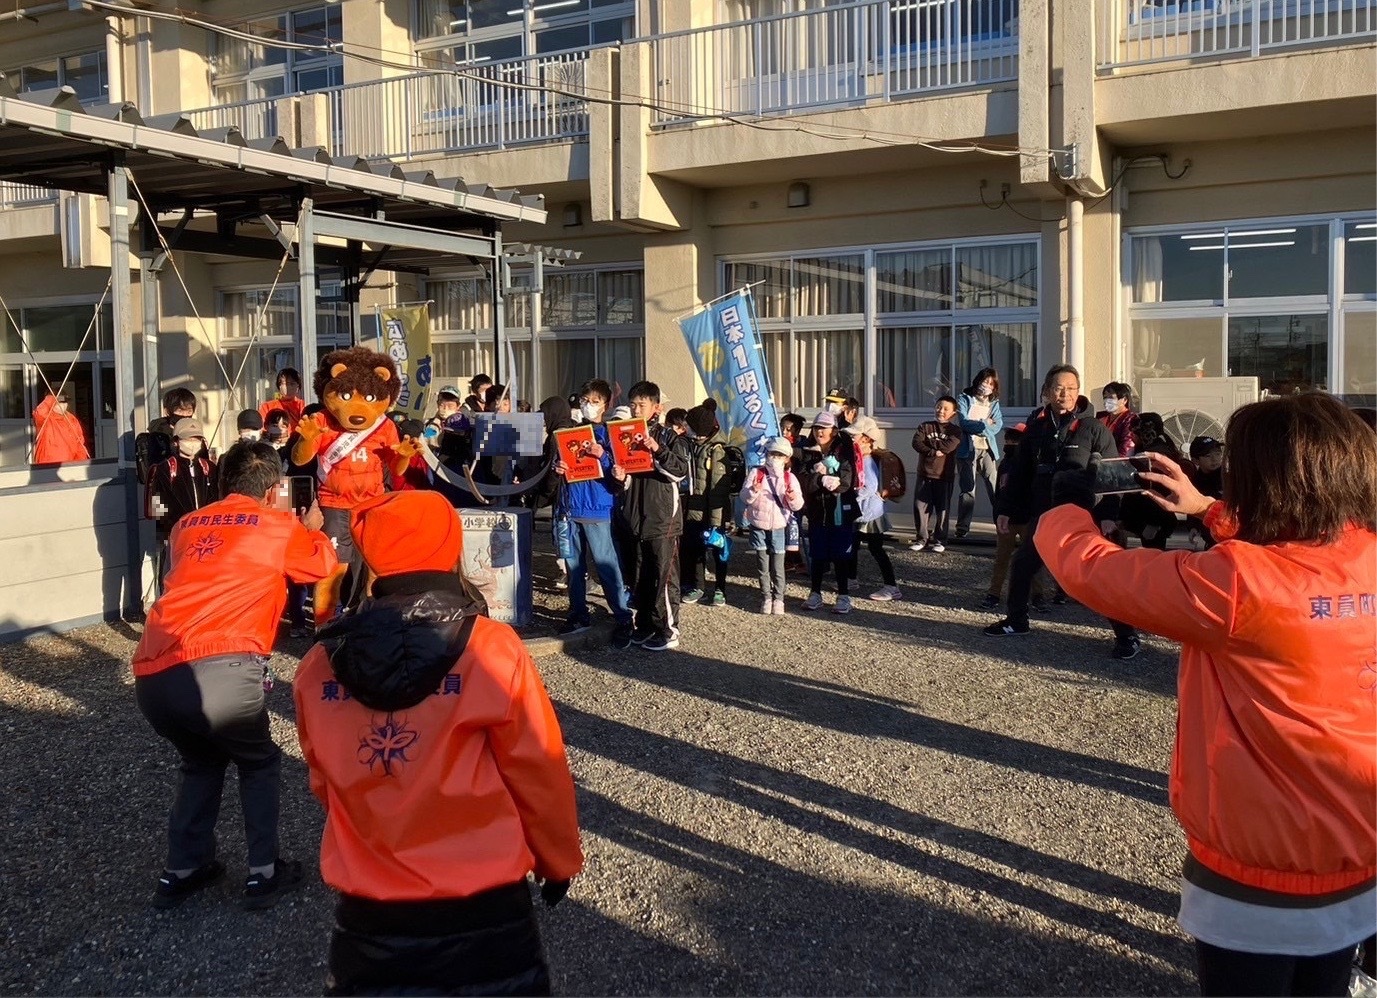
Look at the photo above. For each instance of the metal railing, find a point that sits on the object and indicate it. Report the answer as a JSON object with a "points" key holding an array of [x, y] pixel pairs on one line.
{"points": [[1135, 32], [479, 106], [839, 55], [256, 119], [13, 195]]}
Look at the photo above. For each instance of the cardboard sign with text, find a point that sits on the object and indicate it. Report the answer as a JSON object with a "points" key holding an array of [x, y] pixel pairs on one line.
{"points": [[574, 444], [628, 445]]}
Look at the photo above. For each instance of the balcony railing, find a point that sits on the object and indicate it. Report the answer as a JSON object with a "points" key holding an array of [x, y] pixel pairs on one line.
{"points": [[1136, 32], [482, 106], [842, 55], [14, 195]]}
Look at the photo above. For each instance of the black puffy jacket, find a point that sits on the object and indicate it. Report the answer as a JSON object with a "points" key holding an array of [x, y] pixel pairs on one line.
{"points": [[1051, 443], [650, 499], [824, 508]]}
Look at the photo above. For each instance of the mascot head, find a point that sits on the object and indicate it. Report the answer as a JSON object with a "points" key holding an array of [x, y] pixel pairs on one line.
{"points": [[357, 386]]}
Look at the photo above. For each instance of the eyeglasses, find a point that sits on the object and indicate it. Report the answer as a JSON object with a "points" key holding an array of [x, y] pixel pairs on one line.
{"points": [[1063, 391]]}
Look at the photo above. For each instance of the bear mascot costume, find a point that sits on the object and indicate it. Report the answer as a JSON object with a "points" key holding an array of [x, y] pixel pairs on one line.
{"points": [[354, 446]]}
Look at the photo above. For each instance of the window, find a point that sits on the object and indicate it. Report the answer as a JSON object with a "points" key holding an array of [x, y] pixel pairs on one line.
{"points": [[593, 325], [1250, 299], [1360, 353], [84, 72], [942, 311], [484, 30], [254, 368], [245, 70]]}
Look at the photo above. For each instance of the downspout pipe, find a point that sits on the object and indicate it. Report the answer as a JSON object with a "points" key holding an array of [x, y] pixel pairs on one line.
{"points": [[1075, 283], [114, 66]]}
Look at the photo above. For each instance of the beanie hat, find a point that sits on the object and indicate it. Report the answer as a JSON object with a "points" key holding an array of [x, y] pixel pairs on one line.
{"points": [[701, 421], [249, 419], [400, 532], [824, 419]]}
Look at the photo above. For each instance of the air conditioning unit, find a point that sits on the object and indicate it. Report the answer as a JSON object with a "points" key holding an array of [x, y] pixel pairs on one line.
{"points": [[1196, 407]]}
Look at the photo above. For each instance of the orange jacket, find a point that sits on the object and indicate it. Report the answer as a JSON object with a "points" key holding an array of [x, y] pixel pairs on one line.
{"points": [[226, 589], [358, 475], [466, 791], [1274, 772], [57, 438], [292, 407]]}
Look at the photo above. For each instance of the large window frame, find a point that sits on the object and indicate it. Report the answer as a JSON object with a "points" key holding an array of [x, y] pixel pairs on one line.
{"points": [[609, 343], [241, 71], [543, 27], [950, 324], [66, 69], [1142, 279]]}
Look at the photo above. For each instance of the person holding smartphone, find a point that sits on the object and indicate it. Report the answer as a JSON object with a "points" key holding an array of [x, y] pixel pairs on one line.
{"points": [[200, 670]]}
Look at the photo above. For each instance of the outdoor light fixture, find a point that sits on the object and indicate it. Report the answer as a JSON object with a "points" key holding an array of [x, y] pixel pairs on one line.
{"points": [[799, 195], [573, 215]]}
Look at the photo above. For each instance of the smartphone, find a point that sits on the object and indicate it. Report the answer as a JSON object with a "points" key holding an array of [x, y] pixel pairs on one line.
{"points": [[294, 494], [1119, 475]]}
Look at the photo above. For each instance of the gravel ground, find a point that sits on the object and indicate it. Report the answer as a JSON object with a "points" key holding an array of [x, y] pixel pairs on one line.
{"points": [[888, 802]]}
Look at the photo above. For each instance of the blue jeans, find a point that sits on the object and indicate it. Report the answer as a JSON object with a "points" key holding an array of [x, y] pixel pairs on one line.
{"points": [[597, 534]]}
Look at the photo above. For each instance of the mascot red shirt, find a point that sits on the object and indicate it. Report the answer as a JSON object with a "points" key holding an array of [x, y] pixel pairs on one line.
{"points": [[350, 465]]}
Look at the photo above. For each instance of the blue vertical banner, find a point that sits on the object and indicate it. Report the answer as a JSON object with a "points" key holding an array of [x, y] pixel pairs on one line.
{"points": [[722, 338]]}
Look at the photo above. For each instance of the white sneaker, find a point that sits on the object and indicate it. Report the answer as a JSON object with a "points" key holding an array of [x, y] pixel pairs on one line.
{"points": [[885, 593], [937, 547], [767, 606], [778, 608], [843, 605], [917, 546], [814, 602]]}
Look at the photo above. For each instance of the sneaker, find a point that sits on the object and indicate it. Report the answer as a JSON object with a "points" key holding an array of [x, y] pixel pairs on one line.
{"points": [[1125, 650], [300, 632], [172, 890], [918, 546], [661, 643], [886, 593], [719, 598], [937, 547], [1002, 628], [621, 636], [814, 601], [262, 892], [560, 585], [767, 606], [691, 596], [778, 608], [990, 602], [843, 605], [961, 532], [1060, 598], [1039, 605], [641, 637], [573, 627]]}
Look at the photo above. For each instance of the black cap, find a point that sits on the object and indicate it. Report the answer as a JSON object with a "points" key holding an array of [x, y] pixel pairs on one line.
{"points": [[411, 428], [1201, 446], [250, 419]]}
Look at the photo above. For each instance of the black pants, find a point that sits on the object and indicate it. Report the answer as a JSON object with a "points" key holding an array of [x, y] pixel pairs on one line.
{"points": [[1026, 564], [875, 544], [693, 552], [337, 524], [657, 586], [1230, 972], [213, 713], [488, 944]]}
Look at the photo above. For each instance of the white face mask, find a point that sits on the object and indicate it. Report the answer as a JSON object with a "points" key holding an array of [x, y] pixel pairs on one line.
{"points": [[591, 411], [1112, 405], [983, 389], [249, 435], [834, 408], [189, 448], [777, 461]]}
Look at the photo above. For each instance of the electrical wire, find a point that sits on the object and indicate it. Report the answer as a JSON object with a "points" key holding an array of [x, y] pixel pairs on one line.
{"points": [[595, 95]]}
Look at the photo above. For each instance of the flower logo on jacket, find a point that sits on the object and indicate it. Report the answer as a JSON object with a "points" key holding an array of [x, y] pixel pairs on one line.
{"points": [[383, 747], [206, 545], [1367, 679]]}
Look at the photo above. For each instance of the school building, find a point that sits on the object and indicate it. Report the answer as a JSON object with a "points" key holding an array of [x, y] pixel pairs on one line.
{"points": [[1162, 192]]}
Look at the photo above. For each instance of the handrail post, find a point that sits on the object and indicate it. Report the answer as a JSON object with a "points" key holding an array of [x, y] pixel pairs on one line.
{"points": [[1257, 28]]}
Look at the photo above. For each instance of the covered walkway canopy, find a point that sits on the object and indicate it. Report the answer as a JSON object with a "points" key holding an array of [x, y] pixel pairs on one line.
{"points": [[355, 215]]}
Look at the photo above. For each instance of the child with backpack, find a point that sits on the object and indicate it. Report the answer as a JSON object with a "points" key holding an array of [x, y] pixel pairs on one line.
{"points": [[772, 497], [936, 442], [879, 478], [707, 507]]}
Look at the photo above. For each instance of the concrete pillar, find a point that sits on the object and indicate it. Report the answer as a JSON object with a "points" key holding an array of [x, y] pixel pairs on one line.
{"points": [[680, 274]]}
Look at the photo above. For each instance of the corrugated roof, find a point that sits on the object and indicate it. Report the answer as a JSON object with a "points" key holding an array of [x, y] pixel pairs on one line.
{"points": [[49, 138]]}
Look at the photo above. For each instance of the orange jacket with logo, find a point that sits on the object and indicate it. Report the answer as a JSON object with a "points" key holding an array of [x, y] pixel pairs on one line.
{"points": [[227, 586], [466, 791], [1274, 772], [57, 438], [358, 475]]}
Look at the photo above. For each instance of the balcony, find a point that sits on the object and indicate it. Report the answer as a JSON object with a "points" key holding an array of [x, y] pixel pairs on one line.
{"points": [[479, 107], [14, 195], [839, 56], [1142, 32]]}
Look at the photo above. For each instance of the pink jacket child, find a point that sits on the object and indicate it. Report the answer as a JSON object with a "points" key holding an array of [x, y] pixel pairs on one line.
{"points": [[771, 493]]}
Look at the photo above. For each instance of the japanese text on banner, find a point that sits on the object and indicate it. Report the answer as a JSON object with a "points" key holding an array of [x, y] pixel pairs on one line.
{"points": [[406, 339]]}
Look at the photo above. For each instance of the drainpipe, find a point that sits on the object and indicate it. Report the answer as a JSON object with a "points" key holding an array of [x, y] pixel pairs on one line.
{"points": [[1075, 283], [114, 68]]}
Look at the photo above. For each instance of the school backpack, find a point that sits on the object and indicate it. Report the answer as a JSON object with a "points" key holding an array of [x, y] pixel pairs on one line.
{"points": [[736, 468], [150, 450]]}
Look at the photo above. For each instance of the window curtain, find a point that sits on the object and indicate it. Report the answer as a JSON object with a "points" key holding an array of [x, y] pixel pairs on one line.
{"points": [[912, 366], [1147, 282], [997, 276], [829, 285]]}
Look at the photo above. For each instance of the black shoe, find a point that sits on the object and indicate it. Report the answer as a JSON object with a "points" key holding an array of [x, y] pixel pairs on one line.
{"points": [[990, 602], [573, 627], [262, 892], [1060, 598], [621, 636], [641, 637], [1127, 649], [1039, 605], [1007, 626], [172, 890], [661, 642], [961, 532]]}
